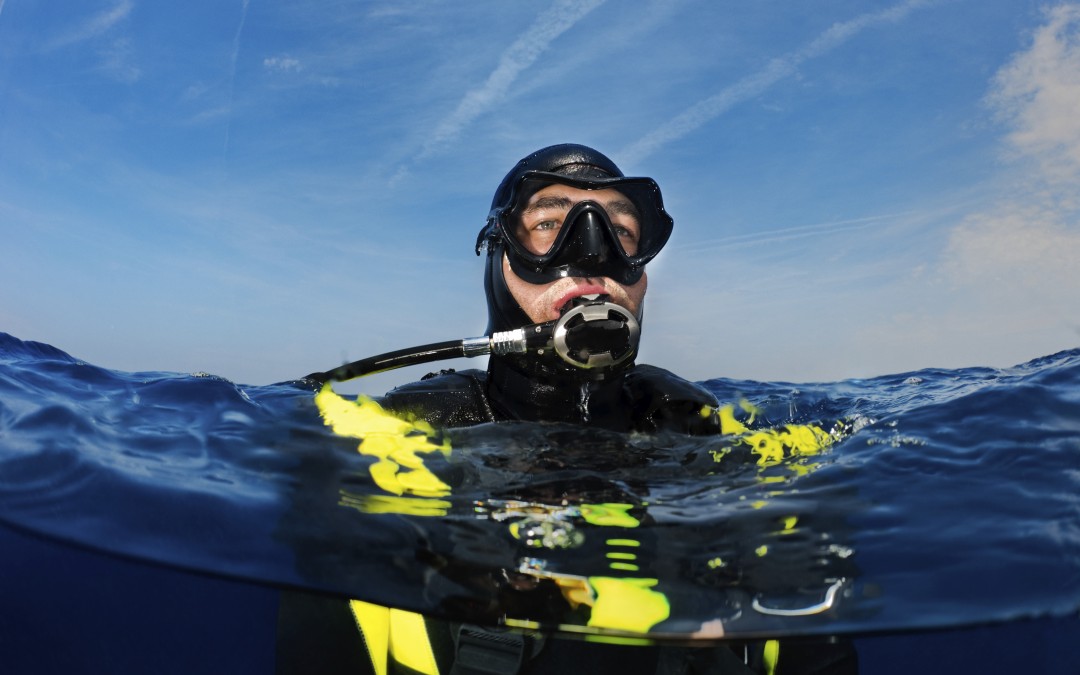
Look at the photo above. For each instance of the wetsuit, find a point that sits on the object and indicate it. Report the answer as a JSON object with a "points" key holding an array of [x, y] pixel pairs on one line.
{"points": [[321, 635]]}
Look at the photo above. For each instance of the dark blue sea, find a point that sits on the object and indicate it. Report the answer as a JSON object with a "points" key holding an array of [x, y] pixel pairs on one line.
{"points": [[148, 521]]}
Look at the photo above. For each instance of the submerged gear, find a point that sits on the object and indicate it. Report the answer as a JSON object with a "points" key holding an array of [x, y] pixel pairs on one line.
{"points": [[614, 232], [385, 641], [329, 635]]}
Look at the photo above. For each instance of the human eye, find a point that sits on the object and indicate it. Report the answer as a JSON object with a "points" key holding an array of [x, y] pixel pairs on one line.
{"points": [[628, 238], [537, 232]]}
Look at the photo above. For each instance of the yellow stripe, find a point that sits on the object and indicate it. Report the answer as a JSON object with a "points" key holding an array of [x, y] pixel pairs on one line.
{"points": [[409, 642], [627, 604], [395, 633], [771, 657], [374, 624], [624, 566]]}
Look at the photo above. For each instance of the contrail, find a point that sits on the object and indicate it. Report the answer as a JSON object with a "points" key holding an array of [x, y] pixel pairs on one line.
{"points": [[523, 53], [232, 70], [785, 234], [754, 84]]}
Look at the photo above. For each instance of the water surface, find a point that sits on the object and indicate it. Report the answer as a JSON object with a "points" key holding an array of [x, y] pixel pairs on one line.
{"points": [[937, 498]]}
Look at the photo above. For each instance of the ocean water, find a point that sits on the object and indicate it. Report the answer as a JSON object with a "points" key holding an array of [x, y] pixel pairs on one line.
{"points": [[930, 500]]}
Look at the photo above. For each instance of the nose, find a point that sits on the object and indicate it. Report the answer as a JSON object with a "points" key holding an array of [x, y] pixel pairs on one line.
{"points": [[588, 246]]}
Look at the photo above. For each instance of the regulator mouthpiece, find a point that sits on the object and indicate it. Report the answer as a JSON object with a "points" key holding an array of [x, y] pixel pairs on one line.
{"points": [[596, 335]]}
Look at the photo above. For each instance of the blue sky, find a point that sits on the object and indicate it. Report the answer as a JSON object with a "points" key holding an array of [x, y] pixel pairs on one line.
{"points": [[259, 189]]}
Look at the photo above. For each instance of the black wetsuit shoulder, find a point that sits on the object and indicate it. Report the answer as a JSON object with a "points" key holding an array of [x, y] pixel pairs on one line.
{"points": [[663, 401], [657, 400], [446, 399]]}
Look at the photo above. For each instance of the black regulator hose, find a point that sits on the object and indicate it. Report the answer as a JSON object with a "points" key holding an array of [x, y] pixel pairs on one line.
{"points": [[590, 335], [389, 361]]}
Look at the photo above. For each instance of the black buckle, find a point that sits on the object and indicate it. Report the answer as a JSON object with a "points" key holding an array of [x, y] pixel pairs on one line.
{"points": [[482, 651]]}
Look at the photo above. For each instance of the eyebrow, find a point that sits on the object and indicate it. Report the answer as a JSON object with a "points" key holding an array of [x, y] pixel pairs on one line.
{"points": [[623, 207], [548, 202]]}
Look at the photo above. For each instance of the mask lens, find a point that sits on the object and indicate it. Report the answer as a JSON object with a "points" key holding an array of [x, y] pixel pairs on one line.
{"points": [[538, 223], [537, 217], [537, 227], [558, 226]]}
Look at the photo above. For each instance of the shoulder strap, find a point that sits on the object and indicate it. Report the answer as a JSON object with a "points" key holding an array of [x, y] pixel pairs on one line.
{"points": [[483, 651]]}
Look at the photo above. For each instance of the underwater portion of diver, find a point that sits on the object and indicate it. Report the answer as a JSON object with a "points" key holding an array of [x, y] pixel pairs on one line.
{"points": [[556, 526], [931, 499]]}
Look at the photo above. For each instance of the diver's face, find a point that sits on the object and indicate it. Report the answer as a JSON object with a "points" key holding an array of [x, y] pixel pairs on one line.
{"points": [[545, 302], [538, 225]]}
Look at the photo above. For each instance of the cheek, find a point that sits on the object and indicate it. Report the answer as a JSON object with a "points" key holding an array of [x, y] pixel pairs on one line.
{"points": [[528, 296], [637, 291]]}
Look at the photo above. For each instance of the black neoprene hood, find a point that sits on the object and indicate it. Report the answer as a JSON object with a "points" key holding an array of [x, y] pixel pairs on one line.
{"points": [[568, 159]]}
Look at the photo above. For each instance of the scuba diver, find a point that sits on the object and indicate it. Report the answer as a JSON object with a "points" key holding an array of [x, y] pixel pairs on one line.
{"points": [[567, 240]]}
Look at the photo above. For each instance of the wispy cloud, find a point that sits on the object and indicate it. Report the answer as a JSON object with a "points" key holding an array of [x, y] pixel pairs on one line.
{"points": [[116, 61], [114, 53], [990, 283], [552, 23], [1038, 95], [754, 84], [1029, 240], [1006, 287], [282, 64], [1017, 249], [94, 27]]}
